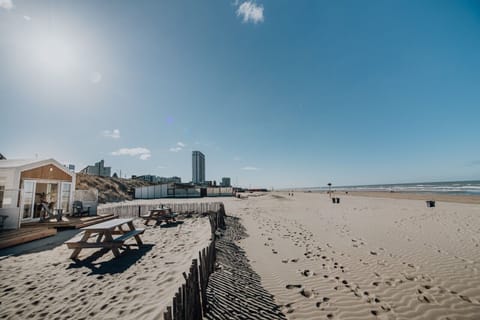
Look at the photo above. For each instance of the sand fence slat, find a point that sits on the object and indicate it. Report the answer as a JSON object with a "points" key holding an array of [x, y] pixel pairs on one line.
{"points": [[136, 208]]}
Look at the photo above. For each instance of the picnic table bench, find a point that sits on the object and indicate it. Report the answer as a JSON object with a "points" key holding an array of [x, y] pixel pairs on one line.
{"points": [[104, 233], [160, 215]]}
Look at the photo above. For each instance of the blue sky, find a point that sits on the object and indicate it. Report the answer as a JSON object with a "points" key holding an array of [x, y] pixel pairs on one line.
{"points": [[274, 93]]}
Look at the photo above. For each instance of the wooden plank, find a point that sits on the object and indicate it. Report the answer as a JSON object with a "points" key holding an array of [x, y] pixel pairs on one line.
{"points": [[94, 221], [23, 236], [168, 314], [110, 224], [129, 235], [85, 245], [69, 222], [47, 172]]}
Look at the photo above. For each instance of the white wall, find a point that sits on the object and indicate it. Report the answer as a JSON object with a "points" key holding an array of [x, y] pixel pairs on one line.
{"points": [[13, 220], [7, 179], [219, 192], [161, 191]]}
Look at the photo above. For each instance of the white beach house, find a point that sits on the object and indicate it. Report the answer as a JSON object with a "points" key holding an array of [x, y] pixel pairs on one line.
{"points": [[26, 184]]}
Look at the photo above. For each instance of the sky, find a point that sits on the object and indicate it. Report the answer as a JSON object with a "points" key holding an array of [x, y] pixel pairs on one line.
{"points": [[274, 93]]}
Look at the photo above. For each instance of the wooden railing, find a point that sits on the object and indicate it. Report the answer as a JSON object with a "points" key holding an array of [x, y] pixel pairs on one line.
{"points": [[137, 208], [190, 301]]}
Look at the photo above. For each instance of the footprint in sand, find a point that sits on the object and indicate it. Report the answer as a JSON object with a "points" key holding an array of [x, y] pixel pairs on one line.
{"points": [[423, 298], [306, 293], [306, 273], [293, 286]]}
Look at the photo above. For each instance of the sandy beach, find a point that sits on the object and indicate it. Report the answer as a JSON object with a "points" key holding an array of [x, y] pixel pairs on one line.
{"points": [[43, 283], [365, 257]]}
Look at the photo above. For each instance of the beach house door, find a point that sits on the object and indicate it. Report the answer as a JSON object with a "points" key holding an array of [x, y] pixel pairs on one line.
{"points": [[28, 197]]}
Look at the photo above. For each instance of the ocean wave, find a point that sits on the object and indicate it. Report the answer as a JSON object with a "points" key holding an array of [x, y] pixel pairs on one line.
{"points": [[466, 188]]}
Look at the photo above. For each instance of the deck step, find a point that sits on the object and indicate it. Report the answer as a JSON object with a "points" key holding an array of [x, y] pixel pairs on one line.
{"points": [[70, 222], [12, 238]]}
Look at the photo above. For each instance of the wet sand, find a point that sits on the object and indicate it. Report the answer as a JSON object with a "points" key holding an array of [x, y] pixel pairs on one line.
{"points": [[416, 196]]}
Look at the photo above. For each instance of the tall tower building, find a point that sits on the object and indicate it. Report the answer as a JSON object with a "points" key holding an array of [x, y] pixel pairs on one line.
{"points": [[198, 167]]}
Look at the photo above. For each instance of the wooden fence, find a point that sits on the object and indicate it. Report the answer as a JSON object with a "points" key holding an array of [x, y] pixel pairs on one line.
{"points": [[137, 208], [190, 302]]}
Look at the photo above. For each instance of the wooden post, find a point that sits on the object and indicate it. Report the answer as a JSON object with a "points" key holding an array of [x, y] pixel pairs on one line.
{"points": [[167, 315]]}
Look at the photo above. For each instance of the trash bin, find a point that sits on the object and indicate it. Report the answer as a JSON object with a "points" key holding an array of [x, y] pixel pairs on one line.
{"points": [[430, 204], [338, 200], [333, 200]]}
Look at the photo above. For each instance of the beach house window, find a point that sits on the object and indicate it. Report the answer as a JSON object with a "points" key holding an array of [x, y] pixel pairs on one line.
{"points": [[65, 196], [27, 199]]}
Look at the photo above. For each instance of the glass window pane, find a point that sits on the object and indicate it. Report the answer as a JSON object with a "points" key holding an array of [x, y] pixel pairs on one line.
{"points": [[65, 197], [28, 196]]}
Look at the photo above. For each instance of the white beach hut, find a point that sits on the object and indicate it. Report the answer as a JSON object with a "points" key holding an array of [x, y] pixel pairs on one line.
{"points": [[25, 184]]}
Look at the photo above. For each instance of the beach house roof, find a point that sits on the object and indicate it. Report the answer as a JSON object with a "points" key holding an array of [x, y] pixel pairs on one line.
{"points": [[25, 164]]}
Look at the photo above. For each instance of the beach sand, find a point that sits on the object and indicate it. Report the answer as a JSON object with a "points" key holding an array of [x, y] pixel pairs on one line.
{"points": [[364, 258], [43, 283]]}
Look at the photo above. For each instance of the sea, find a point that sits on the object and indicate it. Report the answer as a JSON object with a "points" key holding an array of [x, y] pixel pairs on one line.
{"points": [[447, 187]]}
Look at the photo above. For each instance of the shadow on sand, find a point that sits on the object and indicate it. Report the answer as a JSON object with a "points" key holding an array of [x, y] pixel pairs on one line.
{"points": [[234, 290], [171, 224], [127, 258]]}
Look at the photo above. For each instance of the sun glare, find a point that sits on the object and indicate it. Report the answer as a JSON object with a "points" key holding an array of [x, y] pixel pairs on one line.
{"points": [[54, 54]]}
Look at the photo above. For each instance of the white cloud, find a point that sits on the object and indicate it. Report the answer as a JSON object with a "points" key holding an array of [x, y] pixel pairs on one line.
{"points": [[250, 168], [176, 149], [6, 4], [114, 134], [145, 156], [142, 153], [237, 158], [28, 18], [161, 167], [95, 77], [250, 12]]}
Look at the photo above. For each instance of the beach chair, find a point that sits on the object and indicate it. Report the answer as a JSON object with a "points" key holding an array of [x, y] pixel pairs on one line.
{"points": [[79, 210], [47, 212]]}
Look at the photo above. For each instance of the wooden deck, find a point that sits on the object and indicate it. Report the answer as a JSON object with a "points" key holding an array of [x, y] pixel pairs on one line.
{"points": [[69, 222], [37, 230], [10, 238]]}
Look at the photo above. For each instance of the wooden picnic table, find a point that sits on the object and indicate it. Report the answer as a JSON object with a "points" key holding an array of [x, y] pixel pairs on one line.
{"points": [[159, 215], [104, 233]]}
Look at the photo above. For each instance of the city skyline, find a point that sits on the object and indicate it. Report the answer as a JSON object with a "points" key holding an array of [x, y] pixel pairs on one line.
{"points": [[275, 94]]}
